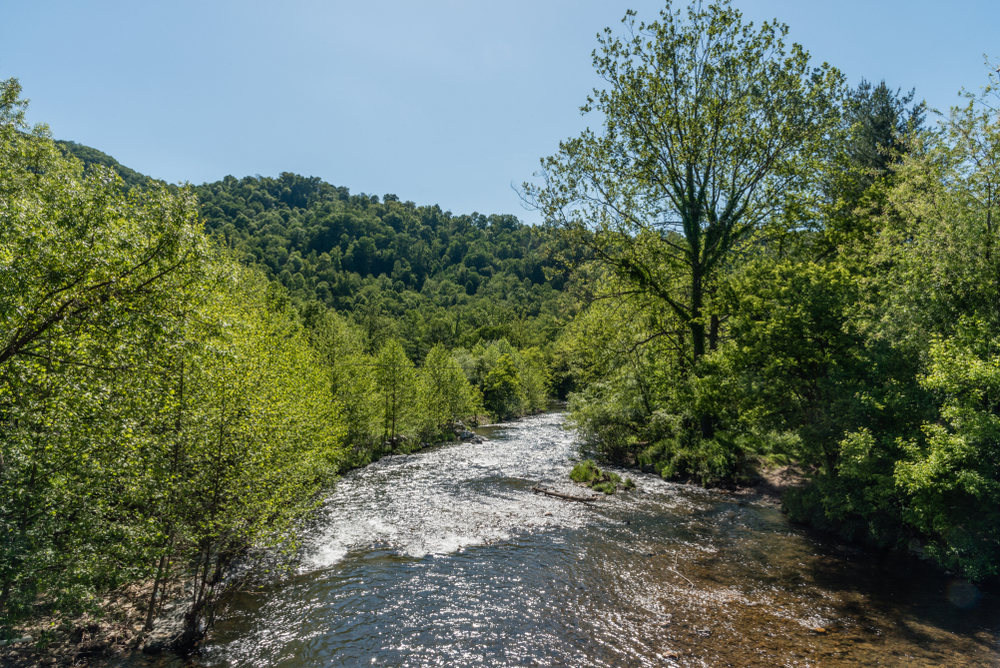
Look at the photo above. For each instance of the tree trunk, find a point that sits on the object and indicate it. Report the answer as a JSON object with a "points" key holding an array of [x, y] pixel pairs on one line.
{"points": [[695, 323], [151, 612], [706, 423], [4, 595]]}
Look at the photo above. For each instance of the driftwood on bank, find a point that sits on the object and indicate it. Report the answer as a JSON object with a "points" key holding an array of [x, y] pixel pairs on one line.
{"points": [[537, 489]]}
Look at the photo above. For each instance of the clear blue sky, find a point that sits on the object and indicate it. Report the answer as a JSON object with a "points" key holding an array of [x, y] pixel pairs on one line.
{"points": [[443, 102]]}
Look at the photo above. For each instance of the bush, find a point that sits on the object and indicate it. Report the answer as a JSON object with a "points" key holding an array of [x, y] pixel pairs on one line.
{"points": [[607, 482], [724, 458], [585, 471]]}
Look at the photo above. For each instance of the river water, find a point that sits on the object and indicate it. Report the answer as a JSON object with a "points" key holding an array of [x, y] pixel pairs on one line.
{"points": [[447, 558]]}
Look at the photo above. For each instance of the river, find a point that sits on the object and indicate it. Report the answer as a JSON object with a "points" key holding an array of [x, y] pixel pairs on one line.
{"points": [[447, 558]]}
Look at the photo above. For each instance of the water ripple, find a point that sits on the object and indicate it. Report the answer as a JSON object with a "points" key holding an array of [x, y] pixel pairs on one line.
{"points": [[446, 557]]}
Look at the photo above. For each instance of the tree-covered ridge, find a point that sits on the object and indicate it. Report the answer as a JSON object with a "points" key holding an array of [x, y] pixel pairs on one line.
{"points": [[419, 273], [91, 156]]}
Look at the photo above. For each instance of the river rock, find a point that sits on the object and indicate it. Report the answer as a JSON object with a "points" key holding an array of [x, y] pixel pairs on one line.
{"points": [[466, 435], [4, 643], [169, 628]]}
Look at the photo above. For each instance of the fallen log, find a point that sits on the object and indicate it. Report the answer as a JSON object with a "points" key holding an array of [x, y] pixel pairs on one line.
{"points": [[569, 497]]}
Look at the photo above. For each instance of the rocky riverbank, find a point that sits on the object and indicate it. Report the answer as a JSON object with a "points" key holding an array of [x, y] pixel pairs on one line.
{"points": [[63, 640]]}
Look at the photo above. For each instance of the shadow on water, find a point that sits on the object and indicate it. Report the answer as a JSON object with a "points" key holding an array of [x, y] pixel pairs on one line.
{"points": [[447, 558]]}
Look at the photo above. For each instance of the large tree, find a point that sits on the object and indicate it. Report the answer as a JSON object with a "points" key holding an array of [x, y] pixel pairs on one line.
{"points": [[712, 129]]}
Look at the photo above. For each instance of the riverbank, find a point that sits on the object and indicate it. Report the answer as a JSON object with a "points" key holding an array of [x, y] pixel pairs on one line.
{"points": [[447, 557], [58, 640], [117, 627]]}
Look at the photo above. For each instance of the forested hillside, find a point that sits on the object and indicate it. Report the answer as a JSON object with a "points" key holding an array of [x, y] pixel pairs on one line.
{"points": [[91, 156], [421, 274]]}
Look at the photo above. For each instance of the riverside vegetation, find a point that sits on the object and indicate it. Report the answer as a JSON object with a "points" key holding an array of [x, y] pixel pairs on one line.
{"points": [[167, 409], [783, 269], [608, 482], [751, 264]]}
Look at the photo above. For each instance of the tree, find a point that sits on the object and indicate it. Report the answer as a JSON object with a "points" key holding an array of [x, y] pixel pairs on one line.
{"points": [[712, 130], [90, 278], [878, 128], [396, 380], [933, 299], [445, 392], [159, 404], [502, 393], [341, 348]]}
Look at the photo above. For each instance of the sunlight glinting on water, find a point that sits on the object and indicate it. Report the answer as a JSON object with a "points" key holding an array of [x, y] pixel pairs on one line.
{"points": [[446, 557]]}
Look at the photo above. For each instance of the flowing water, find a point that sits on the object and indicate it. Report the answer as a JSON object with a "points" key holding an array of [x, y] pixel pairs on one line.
{"points": [[447, 558]]}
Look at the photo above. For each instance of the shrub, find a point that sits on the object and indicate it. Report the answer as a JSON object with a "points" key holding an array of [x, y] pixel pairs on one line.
{"points": [[585, 471], [607, 482]]}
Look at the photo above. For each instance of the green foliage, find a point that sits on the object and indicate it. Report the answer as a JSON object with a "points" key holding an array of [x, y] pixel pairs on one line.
{"points": [[395, 380], [794, 361], [712, 131], [722, 458], [91, 157], [415, 273], [445, 393], [833, 306], [157, 401], [502, 394], [585, 471], [341, 347], [950, 477], [511, 382], [606, 482]]}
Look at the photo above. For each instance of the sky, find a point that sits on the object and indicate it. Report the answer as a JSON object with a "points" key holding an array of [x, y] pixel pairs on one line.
{"points": [[443, 102]]}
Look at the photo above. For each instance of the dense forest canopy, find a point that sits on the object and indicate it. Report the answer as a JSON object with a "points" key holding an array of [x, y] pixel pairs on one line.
{"points": [[416, 272]]}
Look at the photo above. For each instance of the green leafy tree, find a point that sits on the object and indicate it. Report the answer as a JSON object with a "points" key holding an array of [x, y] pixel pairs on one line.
{"points": [[878, 128], [159, 404], [712, 130], [396, 383], [341, 346], [503, 395], [89, 276], [445, 393], [932, 302], [950, 476]]}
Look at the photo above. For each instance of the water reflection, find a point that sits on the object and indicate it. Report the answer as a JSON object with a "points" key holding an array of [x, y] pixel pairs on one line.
{"points": [[447, 558]]}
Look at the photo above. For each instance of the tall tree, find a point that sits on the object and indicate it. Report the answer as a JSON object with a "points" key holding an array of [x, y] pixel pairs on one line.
{"points": [[90, 275], [396, 379], [712, 130], [445, 392], [878, 128]]}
